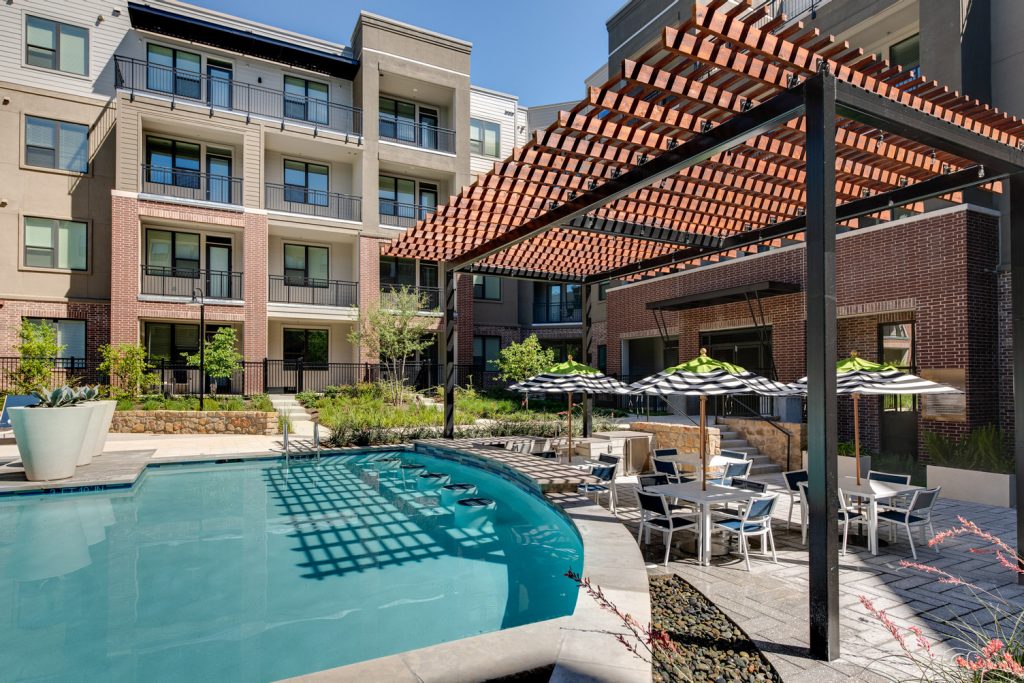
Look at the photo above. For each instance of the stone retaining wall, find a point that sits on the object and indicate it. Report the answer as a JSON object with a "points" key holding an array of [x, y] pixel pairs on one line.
{"points": [[194, 422], [683, 437], [771, 441]]}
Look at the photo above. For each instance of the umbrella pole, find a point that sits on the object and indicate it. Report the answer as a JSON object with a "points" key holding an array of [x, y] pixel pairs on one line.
{"points": [[570, 429], [703, 444], [856, 435]]}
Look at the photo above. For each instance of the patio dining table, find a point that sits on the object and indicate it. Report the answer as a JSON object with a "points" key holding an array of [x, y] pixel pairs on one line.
{"points": [[692, 492], [871, 491]]}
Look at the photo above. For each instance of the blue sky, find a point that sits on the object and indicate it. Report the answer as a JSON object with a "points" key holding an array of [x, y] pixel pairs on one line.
{"points": [[540, 50]]}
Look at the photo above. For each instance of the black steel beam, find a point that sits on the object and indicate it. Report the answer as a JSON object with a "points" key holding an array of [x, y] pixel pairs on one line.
{"points": [[701, 147], [822, 495], [643, 231], [521, 273], [586, 344], [1016, 187], [448, 276], [926, 189], [892, 117]]}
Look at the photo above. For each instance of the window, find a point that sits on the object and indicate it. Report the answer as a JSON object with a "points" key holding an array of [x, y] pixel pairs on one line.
{"points": [[175, 72], [897, 348], [397, 120], [309, 345], [53, 45], [173, 254], [907, 53], [171, 162], [564, 349], [556, 303], [305, 100], [70, 335], [51, 243], [56, 144], [484, 138], [397, 272], [305, 266], [602, 291], [602, 357], [485, 352], [397, 197], [306, 183], [487, 287], [168, 341]]}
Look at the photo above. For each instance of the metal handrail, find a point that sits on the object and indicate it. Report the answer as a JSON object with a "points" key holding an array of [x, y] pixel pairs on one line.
{"points": [[312, 291], [189, 184], [403, 215], [557, 312], [407, 131], [181, 282], [138, 75], [731, 400], [296, 199]]}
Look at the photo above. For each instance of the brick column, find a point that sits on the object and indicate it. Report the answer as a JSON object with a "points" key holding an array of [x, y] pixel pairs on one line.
{"points": [[369, 282], [255, 247], [464, 327], [125, 269]]}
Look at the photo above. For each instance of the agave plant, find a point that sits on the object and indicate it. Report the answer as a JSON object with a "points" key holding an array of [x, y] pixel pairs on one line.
{"points": [[58, 398], [88, 393]]}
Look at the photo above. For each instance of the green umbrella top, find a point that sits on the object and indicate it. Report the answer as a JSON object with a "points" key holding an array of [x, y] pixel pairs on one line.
{"points": [[854, 363], [571, 367], [704, 364]]}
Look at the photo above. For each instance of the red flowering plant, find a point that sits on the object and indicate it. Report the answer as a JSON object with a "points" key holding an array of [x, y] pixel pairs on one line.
{"points": [[994, 653]]}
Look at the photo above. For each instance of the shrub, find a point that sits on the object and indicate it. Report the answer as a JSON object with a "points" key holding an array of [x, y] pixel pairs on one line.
{"points": [[307, 399], [222, 358], [37, 347], [128, 368], [153, 404], [983, 449], [233, 403], [261, 402]]}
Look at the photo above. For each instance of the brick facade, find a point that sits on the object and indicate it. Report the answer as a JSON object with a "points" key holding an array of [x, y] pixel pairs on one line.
{"points": [[937, 270], [95, 314]]}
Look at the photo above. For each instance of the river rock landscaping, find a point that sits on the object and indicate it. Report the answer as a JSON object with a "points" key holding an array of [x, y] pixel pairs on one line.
{"points": [[708, 645]]}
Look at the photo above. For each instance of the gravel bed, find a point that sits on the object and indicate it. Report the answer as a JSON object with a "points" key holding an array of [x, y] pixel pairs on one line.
{"points": [[709, 646]]}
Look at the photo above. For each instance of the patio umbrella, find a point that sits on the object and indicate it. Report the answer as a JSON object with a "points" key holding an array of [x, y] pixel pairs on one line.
{"points": [[569, 377], [856, 376], [704, 376]]}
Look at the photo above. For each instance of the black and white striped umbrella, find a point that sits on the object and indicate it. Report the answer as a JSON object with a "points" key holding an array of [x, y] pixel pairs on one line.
{"points": [[553, 383], [674, 381]]}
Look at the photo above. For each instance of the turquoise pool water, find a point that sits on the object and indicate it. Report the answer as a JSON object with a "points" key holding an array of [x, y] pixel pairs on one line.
{"points": [[255, 572]]}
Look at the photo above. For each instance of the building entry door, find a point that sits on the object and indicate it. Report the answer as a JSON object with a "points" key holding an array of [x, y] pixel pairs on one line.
{"points": [[751, 349], [898, 414]]}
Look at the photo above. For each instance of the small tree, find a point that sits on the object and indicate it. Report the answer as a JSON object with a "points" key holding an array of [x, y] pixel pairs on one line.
{"points": [[128, 369], [222, 357], [38, 347], [522, 360], [393, 330]]}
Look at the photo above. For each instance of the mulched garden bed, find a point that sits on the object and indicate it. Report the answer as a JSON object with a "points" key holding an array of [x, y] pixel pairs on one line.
{"points": [[709, 646]]}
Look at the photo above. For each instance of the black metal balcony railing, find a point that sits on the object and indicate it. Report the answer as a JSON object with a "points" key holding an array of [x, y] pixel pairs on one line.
{"points": [[431, 295], [216, 284], [295, 199], [423, 135], [186, 184], [138, 75], [399, 215], [312, 292], [556, 313]]}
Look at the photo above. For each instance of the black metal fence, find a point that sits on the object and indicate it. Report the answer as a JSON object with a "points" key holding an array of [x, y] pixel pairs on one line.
{"points": [[312, 291], [568, 312], [402, 215], [216, 284], [295, 199], [416, 133], [431, 295], [187, 184], [226, 93]]}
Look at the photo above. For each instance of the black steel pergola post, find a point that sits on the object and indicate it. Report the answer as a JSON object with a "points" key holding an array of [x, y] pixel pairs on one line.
{"points": [[448, 276], [586, 342], [1016, 187], [822, 496]]}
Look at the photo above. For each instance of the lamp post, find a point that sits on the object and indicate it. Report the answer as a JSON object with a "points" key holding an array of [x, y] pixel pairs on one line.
{"points": [[198, 299]]}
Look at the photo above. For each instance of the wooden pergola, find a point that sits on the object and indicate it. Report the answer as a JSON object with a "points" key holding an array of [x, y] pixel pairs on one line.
{"points": [[737, 133]]}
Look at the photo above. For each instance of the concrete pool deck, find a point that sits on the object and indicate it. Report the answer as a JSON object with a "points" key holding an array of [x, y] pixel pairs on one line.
{"points": [[578, 647]]}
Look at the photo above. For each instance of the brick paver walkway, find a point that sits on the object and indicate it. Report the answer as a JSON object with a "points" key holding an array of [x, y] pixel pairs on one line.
{"points": [[770, 602]]}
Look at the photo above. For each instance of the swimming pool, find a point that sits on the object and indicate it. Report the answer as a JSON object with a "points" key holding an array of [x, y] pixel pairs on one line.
{"points": [[254, 572]]}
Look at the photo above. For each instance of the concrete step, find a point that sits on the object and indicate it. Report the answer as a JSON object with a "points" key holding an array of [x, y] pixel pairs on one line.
{"points": [[723, 434], [749, 450], [734, 443], [765, 469]]}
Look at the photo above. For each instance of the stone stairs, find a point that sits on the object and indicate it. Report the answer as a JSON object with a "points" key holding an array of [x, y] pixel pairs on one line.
{"points": [[285, 404], [734, 441]]}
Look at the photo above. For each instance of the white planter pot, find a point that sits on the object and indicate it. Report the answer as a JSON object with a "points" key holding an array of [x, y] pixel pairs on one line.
{"points": [[847, 465], [99, 427], [86, 447], [50, 439], [973, 486]]}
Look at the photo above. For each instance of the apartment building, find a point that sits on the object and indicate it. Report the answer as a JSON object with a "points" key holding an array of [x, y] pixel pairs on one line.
{"points": [[168, 154]]}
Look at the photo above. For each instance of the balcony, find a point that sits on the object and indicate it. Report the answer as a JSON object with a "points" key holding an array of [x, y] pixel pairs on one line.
{"points": [[137, 75], [295, 199], [399, 215], [547, 313], [431, 295], [409, 132], [313, 292], [194, 185], [182, 282]]}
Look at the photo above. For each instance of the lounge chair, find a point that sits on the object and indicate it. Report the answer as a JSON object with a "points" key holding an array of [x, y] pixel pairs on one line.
{"points": [[13, 401]]}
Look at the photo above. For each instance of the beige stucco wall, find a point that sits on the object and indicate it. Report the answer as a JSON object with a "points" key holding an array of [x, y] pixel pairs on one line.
{"points": [[340, 350]]}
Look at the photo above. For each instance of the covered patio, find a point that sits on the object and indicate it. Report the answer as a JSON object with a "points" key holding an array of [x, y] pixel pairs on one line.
{"points": [[735, 134]]}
